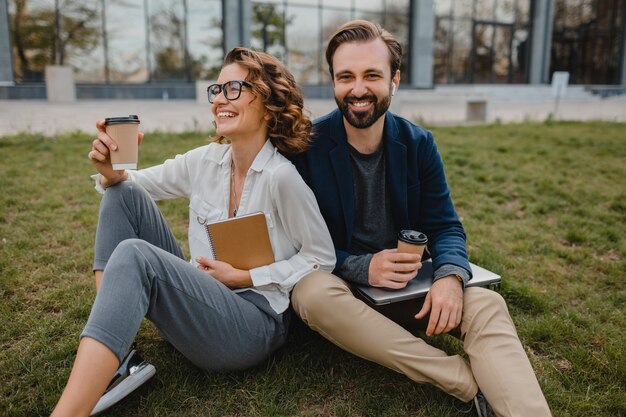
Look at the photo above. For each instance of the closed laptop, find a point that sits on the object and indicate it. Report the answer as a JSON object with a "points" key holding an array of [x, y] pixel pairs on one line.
{"points": [[420, 285]]}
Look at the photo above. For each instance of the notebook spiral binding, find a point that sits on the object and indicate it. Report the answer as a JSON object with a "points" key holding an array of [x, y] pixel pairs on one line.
{"points": [[210, 236]]}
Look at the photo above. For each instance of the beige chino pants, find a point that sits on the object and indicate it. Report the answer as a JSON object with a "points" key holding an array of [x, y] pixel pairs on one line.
{"points": [[497, 361]]}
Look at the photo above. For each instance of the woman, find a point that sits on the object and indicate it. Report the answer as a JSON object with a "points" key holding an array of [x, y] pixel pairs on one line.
{"points": [[219, 317]]}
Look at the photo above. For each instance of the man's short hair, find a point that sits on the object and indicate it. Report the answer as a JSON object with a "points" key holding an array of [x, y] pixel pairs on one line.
{"points": [[363, 31]]}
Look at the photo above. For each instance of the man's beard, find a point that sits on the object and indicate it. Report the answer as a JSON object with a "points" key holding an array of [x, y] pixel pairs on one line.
{"points": [[363, 120]]}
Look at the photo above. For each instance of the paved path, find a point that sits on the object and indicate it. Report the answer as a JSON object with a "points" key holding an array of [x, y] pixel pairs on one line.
{"points": [[182, 115], [39, 116]]}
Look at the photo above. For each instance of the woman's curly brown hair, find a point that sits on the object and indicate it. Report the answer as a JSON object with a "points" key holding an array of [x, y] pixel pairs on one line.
{"points": [[288, 127]]}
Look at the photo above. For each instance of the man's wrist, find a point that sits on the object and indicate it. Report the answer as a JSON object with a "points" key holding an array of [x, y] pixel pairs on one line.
{"points": [[452, 270], [458, 277]]}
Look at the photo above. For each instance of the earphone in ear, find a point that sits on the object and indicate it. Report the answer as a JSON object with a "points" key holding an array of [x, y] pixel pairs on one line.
{"points": [[393, 89]]}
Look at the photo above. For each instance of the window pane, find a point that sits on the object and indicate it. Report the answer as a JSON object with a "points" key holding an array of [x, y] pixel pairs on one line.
{"points": [[462, 8], [398, 26], [442, 49], [485, 9], [482, 59], [573, 13], [501, 51], [32, 44], [559, 13], [588, 12], [126, 40], [303, 2], [505, 11], [396, 20], [204, 29], [371, 16], [345, 4], [461, 51], [268, 26], [167, 40], [397, 5], [443, 7], [519, 56], [522, 14], [85, 52], [586, 40], [304, 44], [332, 20], [368, 5]]}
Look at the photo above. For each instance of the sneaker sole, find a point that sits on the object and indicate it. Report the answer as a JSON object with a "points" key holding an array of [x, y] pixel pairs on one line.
{"points": [[124, 388]]}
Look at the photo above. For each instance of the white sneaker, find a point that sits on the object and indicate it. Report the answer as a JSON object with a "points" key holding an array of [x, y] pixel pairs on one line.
{"points": [[483, 408], [132, 373]]}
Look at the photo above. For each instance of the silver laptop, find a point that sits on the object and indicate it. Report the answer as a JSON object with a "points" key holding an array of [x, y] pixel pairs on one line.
{"points": [[420, 285]]}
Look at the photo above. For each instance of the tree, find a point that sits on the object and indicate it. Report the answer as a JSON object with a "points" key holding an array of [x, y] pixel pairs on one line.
{"points": [[79, 31], [37, 41], [268, 26], [172, 58]]}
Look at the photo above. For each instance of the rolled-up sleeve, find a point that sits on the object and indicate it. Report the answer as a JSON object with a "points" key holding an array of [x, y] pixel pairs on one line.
{"points": [[168, 180], [304, 227]]}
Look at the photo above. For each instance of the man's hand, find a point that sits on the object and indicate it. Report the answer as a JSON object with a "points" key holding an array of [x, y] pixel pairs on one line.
{"points": [[445, 303], [392, 269], [224, 272]]}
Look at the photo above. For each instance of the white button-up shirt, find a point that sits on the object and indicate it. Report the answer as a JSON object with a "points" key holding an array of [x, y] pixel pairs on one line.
{"points": [[298, 234]]}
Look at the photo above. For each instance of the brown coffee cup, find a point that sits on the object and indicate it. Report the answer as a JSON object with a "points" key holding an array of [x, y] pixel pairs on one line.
{"points": [[124, 131], [411, 241]]}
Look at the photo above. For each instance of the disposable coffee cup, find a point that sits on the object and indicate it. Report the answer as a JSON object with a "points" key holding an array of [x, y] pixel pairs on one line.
{"points": [[411, 241], [124, 131]]}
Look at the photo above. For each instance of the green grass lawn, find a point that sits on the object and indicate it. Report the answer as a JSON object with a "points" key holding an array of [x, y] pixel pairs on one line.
{"points": [[544, 205]]}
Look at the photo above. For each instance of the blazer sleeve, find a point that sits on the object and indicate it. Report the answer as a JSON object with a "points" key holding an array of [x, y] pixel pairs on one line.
{"points": [[438, 218]]}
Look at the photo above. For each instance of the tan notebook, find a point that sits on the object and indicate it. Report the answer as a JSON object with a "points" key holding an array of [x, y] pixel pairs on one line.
{"points": [[243, 241]]}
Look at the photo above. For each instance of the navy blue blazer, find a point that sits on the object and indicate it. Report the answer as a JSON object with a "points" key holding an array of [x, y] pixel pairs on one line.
{"points": [[418, 192]]}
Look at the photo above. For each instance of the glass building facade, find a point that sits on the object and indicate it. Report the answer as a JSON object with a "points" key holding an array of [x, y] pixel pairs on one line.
{"points": [[481, 41], [297, 30], [588, 40], [121, 41], [158, 41]]}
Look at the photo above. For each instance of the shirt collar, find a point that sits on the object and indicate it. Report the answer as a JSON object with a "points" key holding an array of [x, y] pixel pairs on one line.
{"points": [[265, 154]]}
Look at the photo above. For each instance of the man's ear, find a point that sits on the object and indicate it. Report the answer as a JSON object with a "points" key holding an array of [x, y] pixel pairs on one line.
{"points": [[396, 78], [395, 81]]}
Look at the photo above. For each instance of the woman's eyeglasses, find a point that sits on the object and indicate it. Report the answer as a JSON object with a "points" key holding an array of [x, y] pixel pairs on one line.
{"points": [[231, 89]]}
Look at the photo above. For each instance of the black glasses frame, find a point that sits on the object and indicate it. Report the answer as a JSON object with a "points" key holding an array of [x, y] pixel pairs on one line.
{"points": [[226, 89]]}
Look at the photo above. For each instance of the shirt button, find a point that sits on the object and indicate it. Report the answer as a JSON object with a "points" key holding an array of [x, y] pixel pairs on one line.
{"points": [[316, 266]]}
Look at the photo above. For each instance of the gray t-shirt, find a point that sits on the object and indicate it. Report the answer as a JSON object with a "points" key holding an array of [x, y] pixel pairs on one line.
{"points": [[374, 225]]}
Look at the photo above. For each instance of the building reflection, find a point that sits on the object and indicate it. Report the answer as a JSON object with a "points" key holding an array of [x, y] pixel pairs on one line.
{"points": [[145, 41], [587, 40], [481, 41]]}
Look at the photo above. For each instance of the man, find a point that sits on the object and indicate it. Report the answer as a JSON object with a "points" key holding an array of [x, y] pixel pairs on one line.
{"points": [[373, 174]]}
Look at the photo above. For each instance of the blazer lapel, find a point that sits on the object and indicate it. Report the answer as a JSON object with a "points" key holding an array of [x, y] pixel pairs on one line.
{"points": [[342, 169], [396, 171]]}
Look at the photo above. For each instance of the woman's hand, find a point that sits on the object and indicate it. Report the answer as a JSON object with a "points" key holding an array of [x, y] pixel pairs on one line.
{"points": [[100, 156], [224, 272]]}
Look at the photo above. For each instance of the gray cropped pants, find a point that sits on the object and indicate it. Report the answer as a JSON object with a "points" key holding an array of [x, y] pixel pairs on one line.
{"points": [[146, 275]]}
